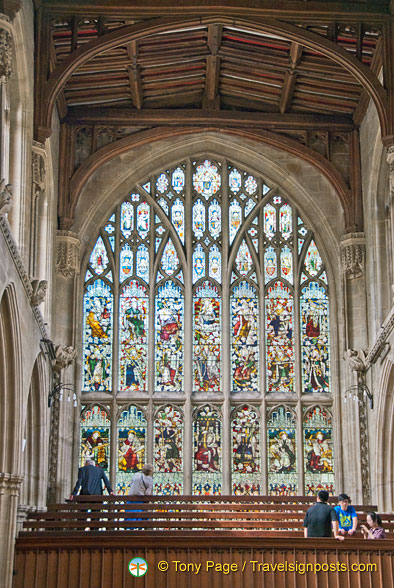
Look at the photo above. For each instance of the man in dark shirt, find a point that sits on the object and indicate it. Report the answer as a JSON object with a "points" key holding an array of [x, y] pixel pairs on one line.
{"points": [[90, 479], [319, 517]]}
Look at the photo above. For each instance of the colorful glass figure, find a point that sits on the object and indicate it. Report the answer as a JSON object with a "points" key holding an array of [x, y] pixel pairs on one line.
{"points": [[162, 183], [243, 261], [206, 179], [178, 180], [126, 263], [132, 428], [169, 260], [282, 453], [133, 337], [207, 338], [235, 219], [95, 432], [279, 338], [198, 219], [198, 263], [286, 264], [215, 219], [126, 219], [244, 347], [313, 261], [315, 340], [234, 180], [269, 221], [285, 221], [97, 339], [142, 263], [169, 338], [215, 263], [178, 218], [318, 451], [245, 441], [99, 259], [207, 450], [143, 212], [168, 431], [270, 264]]}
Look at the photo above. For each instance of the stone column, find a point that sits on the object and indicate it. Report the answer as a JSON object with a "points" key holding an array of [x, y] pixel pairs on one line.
{"points": [[9, 493], [355, 438], [390, 201], [62, 411]]}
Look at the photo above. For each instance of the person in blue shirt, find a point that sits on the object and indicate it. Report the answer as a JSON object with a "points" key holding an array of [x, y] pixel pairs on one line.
{"points": [[347, 516]]}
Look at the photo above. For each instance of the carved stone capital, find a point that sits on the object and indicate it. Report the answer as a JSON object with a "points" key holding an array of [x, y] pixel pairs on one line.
{"points": [[353, 255], [5, 197], [356, 360], [65, 355], [67, 255], [10, 484], [5, 54], [39, 291]]}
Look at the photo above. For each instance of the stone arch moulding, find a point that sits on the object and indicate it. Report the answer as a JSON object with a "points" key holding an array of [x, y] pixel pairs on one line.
{"points": [[63, 71], [384, 451], [325, 167]]}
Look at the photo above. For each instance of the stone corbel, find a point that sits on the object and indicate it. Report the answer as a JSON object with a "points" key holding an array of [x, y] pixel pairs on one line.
{"points": [[64, 356], [6, 193], [67, 255], [5, 50], [353, 255], [39, 291], [38, 170]]}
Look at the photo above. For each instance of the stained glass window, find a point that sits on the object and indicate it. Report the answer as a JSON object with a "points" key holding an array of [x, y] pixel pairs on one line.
{"points": [[318, 451], [207, 452], [245, 440], [205, 289], [282, 452], [95, 432], [131, 446], [168, 452]]}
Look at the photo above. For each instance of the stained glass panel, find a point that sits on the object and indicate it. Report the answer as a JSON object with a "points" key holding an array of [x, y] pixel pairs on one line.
{"points": [[206, 318], [282, 452], [234, 180], [178, 218], [95, 432], [97, 339], [270, 264], [249, 206], [133, 337], [168, 476], [142, 264], [269, 221], [286, 264], [279, 338], [126, 263], [169, 338], [99, 259], [313, 261], [126, 219], [250, 185], [198, 263], [215, 263], [198, 219], [285, 221], [169, 260], [132, 429], [235, 219], [244, 340], [162, 183], [315, 342], [245, 440], [207, 450], [244, 261], [318, 451], [206, 179], [215, 219], [143, 212], [178, 180]]}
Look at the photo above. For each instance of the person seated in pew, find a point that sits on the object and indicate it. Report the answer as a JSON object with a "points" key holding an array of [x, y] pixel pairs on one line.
{"points": [[376, 530], [347, 516]]}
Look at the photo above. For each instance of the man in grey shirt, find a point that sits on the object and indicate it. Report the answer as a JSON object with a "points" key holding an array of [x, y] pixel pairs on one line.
{"points": [[321, 519]]}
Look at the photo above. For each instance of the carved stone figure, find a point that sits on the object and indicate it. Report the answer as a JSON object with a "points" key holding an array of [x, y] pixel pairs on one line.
{"points": [[39, 291], [64, 357], [6, 193], [355, 360], [5, 55], [353, 255]]}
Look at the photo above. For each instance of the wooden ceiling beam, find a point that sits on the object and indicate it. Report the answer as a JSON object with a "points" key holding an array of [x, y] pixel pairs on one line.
{"points": [[169, 117], [134, 72], [290, 78], [211, 98]]}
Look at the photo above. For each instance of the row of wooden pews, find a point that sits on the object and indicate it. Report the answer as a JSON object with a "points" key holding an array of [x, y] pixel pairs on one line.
{"points": [[88, 543]]}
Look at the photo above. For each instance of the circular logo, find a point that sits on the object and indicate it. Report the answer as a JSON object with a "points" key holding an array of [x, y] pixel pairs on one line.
{"points": [[138, 566]]}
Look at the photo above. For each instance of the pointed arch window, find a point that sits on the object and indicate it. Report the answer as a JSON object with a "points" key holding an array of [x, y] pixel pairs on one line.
{"points": [[204, 286]]}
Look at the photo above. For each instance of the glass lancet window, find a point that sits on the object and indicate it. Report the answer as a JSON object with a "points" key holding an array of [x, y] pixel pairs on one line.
{"points": [[206, 338]]}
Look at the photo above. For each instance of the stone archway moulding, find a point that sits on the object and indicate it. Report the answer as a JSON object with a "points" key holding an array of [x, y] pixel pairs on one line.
{"points": [[329, 49], [87, 169]]}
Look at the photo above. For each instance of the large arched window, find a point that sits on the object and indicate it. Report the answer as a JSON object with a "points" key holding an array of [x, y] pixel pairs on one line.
{"points": [[206, 344]]}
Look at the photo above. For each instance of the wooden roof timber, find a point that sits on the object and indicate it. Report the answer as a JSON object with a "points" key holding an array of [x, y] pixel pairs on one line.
{"points": [[201, 117]]}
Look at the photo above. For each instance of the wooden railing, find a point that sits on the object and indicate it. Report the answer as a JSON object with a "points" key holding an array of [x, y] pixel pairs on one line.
{"points": [[88, 543]]}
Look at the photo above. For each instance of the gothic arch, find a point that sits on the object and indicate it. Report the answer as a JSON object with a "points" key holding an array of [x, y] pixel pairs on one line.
{"points": [[383, 460]]}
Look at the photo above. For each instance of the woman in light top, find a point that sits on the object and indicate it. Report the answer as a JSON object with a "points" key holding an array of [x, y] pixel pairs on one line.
{"points": [[376, 530], [142, 482]]}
